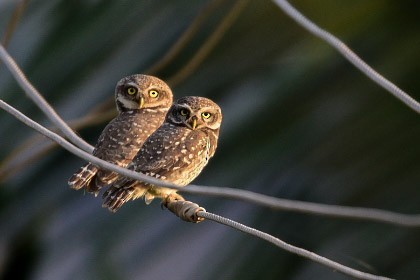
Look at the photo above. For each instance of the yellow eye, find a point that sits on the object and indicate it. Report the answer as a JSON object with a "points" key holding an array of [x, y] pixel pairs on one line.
{"points": [[131, 90], [183, 112], [153, 93], [206, 115]]}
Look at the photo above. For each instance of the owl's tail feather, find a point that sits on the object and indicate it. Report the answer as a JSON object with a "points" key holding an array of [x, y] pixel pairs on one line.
{"points": [[83, 176], [103, 178], [119, 194]]}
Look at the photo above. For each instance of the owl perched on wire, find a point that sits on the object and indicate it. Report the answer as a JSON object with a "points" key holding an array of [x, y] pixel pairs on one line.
{"points": [[142, 102], [177, 152]]}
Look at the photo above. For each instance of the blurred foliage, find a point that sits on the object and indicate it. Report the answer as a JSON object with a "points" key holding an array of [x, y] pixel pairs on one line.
{"points": [[300, 122]]}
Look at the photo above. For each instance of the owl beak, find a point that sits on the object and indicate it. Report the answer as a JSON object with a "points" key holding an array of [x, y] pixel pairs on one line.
{"points": [[141, 103], [193, 122]]}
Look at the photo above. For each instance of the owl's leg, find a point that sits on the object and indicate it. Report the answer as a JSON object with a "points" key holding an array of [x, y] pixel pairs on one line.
{"points": [[172, 197]]}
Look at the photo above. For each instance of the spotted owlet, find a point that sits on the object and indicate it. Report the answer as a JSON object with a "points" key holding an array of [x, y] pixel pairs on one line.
{"points": [[177, 152], [142, 102]]}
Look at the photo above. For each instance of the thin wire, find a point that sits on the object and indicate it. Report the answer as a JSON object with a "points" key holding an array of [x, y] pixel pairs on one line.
{"points": [[87, 156], [36, 97], [337, 211], [19, 157], [79, 152], [290, 248], [5, 170], [275, 203], [306, 207], [349, 54]]}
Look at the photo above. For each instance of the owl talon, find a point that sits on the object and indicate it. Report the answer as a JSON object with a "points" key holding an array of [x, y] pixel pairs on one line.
{"points": [[172, 197], [175, 197]]}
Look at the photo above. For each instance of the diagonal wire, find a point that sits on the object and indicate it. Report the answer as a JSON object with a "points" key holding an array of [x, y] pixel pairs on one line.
{"points": [[20, 157], [39, 100], [70, 134], [295, 250], [348, 54], [290, 248], [276, 203], [336, 211], [9, 166]]}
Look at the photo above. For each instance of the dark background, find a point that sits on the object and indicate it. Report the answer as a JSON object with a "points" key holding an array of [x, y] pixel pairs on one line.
{"points": [[300, 122]]}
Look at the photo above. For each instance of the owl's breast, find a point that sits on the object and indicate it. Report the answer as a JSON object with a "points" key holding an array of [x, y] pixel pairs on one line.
{"points": [[123, 136], [192, 157]]}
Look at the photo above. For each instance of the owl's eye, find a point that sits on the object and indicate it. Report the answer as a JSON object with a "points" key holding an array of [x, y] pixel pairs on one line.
{"points": [[153, 93], [131, 90], [183, 112], [206, 115]]}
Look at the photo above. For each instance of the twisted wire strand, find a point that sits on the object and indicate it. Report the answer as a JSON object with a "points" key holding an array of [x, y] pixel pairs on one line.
{"points": [[290, 248], [186, 210], [348, 54], [276, 203]]}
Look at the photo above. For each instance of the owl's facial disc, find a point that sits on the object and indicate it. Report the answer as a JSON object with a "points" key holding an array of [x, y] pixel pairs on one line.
{"points": [[126, 103], [196, 121], [129, 97], [142, 91], [188, 117]]}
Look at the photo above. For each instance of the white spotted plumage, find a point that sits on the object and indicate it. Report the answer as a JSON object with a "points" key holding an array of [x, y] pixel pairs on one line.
{"points": [[139, 116], [177, 152]]}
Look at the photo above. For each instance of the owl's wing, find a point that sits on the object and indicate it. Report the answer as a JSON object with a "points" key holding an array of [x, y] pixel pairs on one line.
{"points": [[161, 166], [168, 158], [119, 139], [118, 143], [86, 175]]}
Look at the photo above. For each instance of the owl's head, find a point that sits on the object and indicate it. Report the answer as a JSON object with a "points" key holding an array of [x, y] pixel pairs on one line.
{"points": [[142, 91], [195, 113]]}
